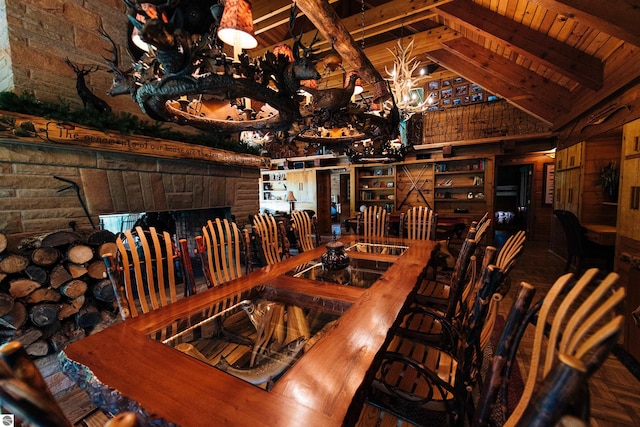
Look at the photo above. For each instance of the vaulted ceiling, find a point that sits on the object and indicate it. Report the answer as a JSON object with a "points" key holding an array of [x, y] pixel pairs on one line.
{"points": [[554, 59]]}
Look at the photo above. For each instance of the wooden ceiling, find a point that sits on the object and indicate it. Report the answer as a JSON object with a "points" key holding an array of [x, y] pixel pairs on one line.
{"points": [[554, 59]]}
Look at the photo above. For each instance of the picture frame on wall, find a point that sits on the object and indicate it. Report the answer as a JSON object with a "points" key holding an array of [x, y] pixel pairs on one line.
{"points": [[446, 83], [458, 80], [461, 90], [446, 93], [446, 102], [457, 101], [475, 88], [466, 99], [434, 85], [477, 97]]}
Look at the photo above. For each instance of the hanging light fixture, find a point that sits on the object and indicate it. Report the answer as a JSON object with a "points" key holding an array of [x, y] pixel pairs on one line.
{"points": [[236, 25]]}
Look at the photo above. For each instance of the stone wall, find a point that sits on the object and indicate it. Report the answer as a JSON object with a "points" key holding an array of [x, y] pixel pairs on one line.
{"points": [[32, 201], [37, 35]]}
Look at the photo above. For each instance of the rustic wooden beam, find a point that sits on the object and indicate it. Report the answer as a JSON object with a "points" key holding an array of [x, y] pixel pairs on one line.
{"points": [[555, 96], [562, 58], [328, 23], [619, 75], [617, 18], [514, 95]]}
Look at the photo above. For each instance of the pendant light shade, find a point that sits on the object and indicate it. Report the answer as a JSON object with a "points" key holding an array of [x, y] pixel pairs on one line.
{"points": [[236, 25]]}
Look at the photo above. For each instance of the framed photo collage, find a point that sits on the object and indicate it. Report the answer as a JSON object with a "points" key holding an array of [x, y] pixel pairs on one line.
{"points": [[456, 91]]}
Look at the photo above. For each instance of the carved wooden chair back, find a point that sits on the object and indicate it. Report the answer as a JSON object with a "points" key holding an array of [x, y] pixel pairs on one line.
{"points": [[272, 241], [374, 222], [420, 222], [576, 326], [145, 270], [222, 249], [305, 230]]}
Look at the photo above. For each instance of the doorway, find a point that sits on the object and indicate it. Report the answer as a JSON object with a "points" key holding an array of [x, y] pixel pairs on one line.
{"points": [[512, 202]]}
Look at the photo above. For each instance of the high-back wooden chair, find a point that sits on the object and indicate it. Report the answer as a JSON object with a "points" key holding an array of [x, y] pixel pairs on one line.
{"points": [[222, 249], [373, 222], [417, 379], [144, 271], [305, 229], [420, 223], [576, 326], [271, 239]]}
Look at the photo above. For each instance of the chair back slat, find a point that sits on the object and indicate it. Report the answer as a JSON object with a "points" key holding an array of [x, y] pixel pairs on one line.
{"points": [[305, 230], [374, 222], [222, 251], [269, 237], [421, 223], [145, 262]]}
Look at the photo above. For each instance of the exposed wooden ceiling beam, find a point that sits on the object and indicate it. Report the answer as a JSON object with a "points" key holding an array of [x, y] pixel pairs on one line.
{"points": [[378, 20], [325, 19], [620, 19], [558, 56], [514, 95], [555, 96]]}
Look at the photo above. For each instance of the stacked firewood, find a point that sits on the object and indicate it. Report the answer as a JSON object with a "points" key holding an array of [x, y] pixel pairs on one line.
{"points": [[54, 289]]}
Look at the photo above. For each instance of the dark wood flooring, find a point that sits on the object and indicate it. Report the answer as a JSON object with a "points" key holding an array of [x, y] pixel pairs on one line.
{"points": [[615, 392]]}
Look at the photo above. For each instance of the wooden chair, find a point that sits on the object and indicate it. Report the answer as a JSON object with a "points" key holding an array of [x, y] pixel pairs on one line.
{"points": [[373, 222], [420, 381], [420, 223], [271, 239], [576, 326], [144, 271], [579, 248], [222, 249], [305, 229]]}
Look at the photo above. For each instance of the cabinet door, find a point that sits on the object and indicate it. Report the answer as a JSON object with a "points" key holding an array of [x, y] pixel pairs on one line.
{"points": [[574, 155], [572, 186], [560, 190], [561, 160], [629, 206]]}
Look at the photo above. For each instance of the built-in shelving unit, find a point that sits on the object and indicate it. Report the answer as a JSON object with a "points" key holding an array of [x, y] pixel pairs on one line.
{"points": [[375, 185], [459, 186]]}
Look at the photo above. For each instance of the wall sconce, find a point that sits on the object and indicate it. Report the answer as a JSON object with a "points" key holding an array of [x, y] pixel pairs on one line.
{"points": [[236, 25]]}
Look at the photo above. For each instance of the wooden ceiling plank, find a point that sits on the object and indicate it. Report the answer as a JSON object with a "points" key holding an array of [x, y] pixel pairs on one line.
{"points": [[563, 59], [618, 75], [616, 18], [529, 82], [512, 94], [378, 20]]}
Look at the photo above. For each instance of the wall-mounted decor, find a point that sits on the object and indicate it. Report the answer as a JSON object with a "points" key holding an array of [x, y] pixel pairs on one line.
{"points": [[446, 93], [475, 88], [477, 97], [457, 101], [446, 83], [548, 179], [434, 85], [461, 90], [458, 80]]}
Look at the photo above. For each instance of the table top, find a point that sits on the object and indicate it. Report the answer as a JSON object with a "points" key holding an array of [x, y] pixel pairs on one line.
{"points": [[600, 228], [322, 388]]}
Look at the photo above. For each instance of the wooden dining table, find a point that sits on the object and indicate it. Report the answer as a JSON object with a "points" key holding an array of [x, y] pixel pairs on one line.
{"points": [[127, 367]]}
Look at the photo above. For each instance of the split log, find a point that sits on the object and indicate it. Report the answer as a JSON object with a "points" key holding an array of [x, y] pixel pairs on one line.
{"points": [[80, 254], [87, 317], [3, 242], [20, 288], [38, 274], [38, 349], [107, 248], [16, 318], [100, 237], [76, 270], [43, 295], [71, 308], [30, 336], [43, 314], [97, 269], [60, 238], [70, 333], [59, 276], [6, 303], [74, 288], [14, 263], [45, 256], [103, 291]]}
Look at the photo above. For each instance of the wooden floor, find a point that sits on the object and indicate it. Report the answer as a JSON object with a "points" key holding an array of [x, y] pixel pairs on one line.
{"points": [[615, 392]]}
